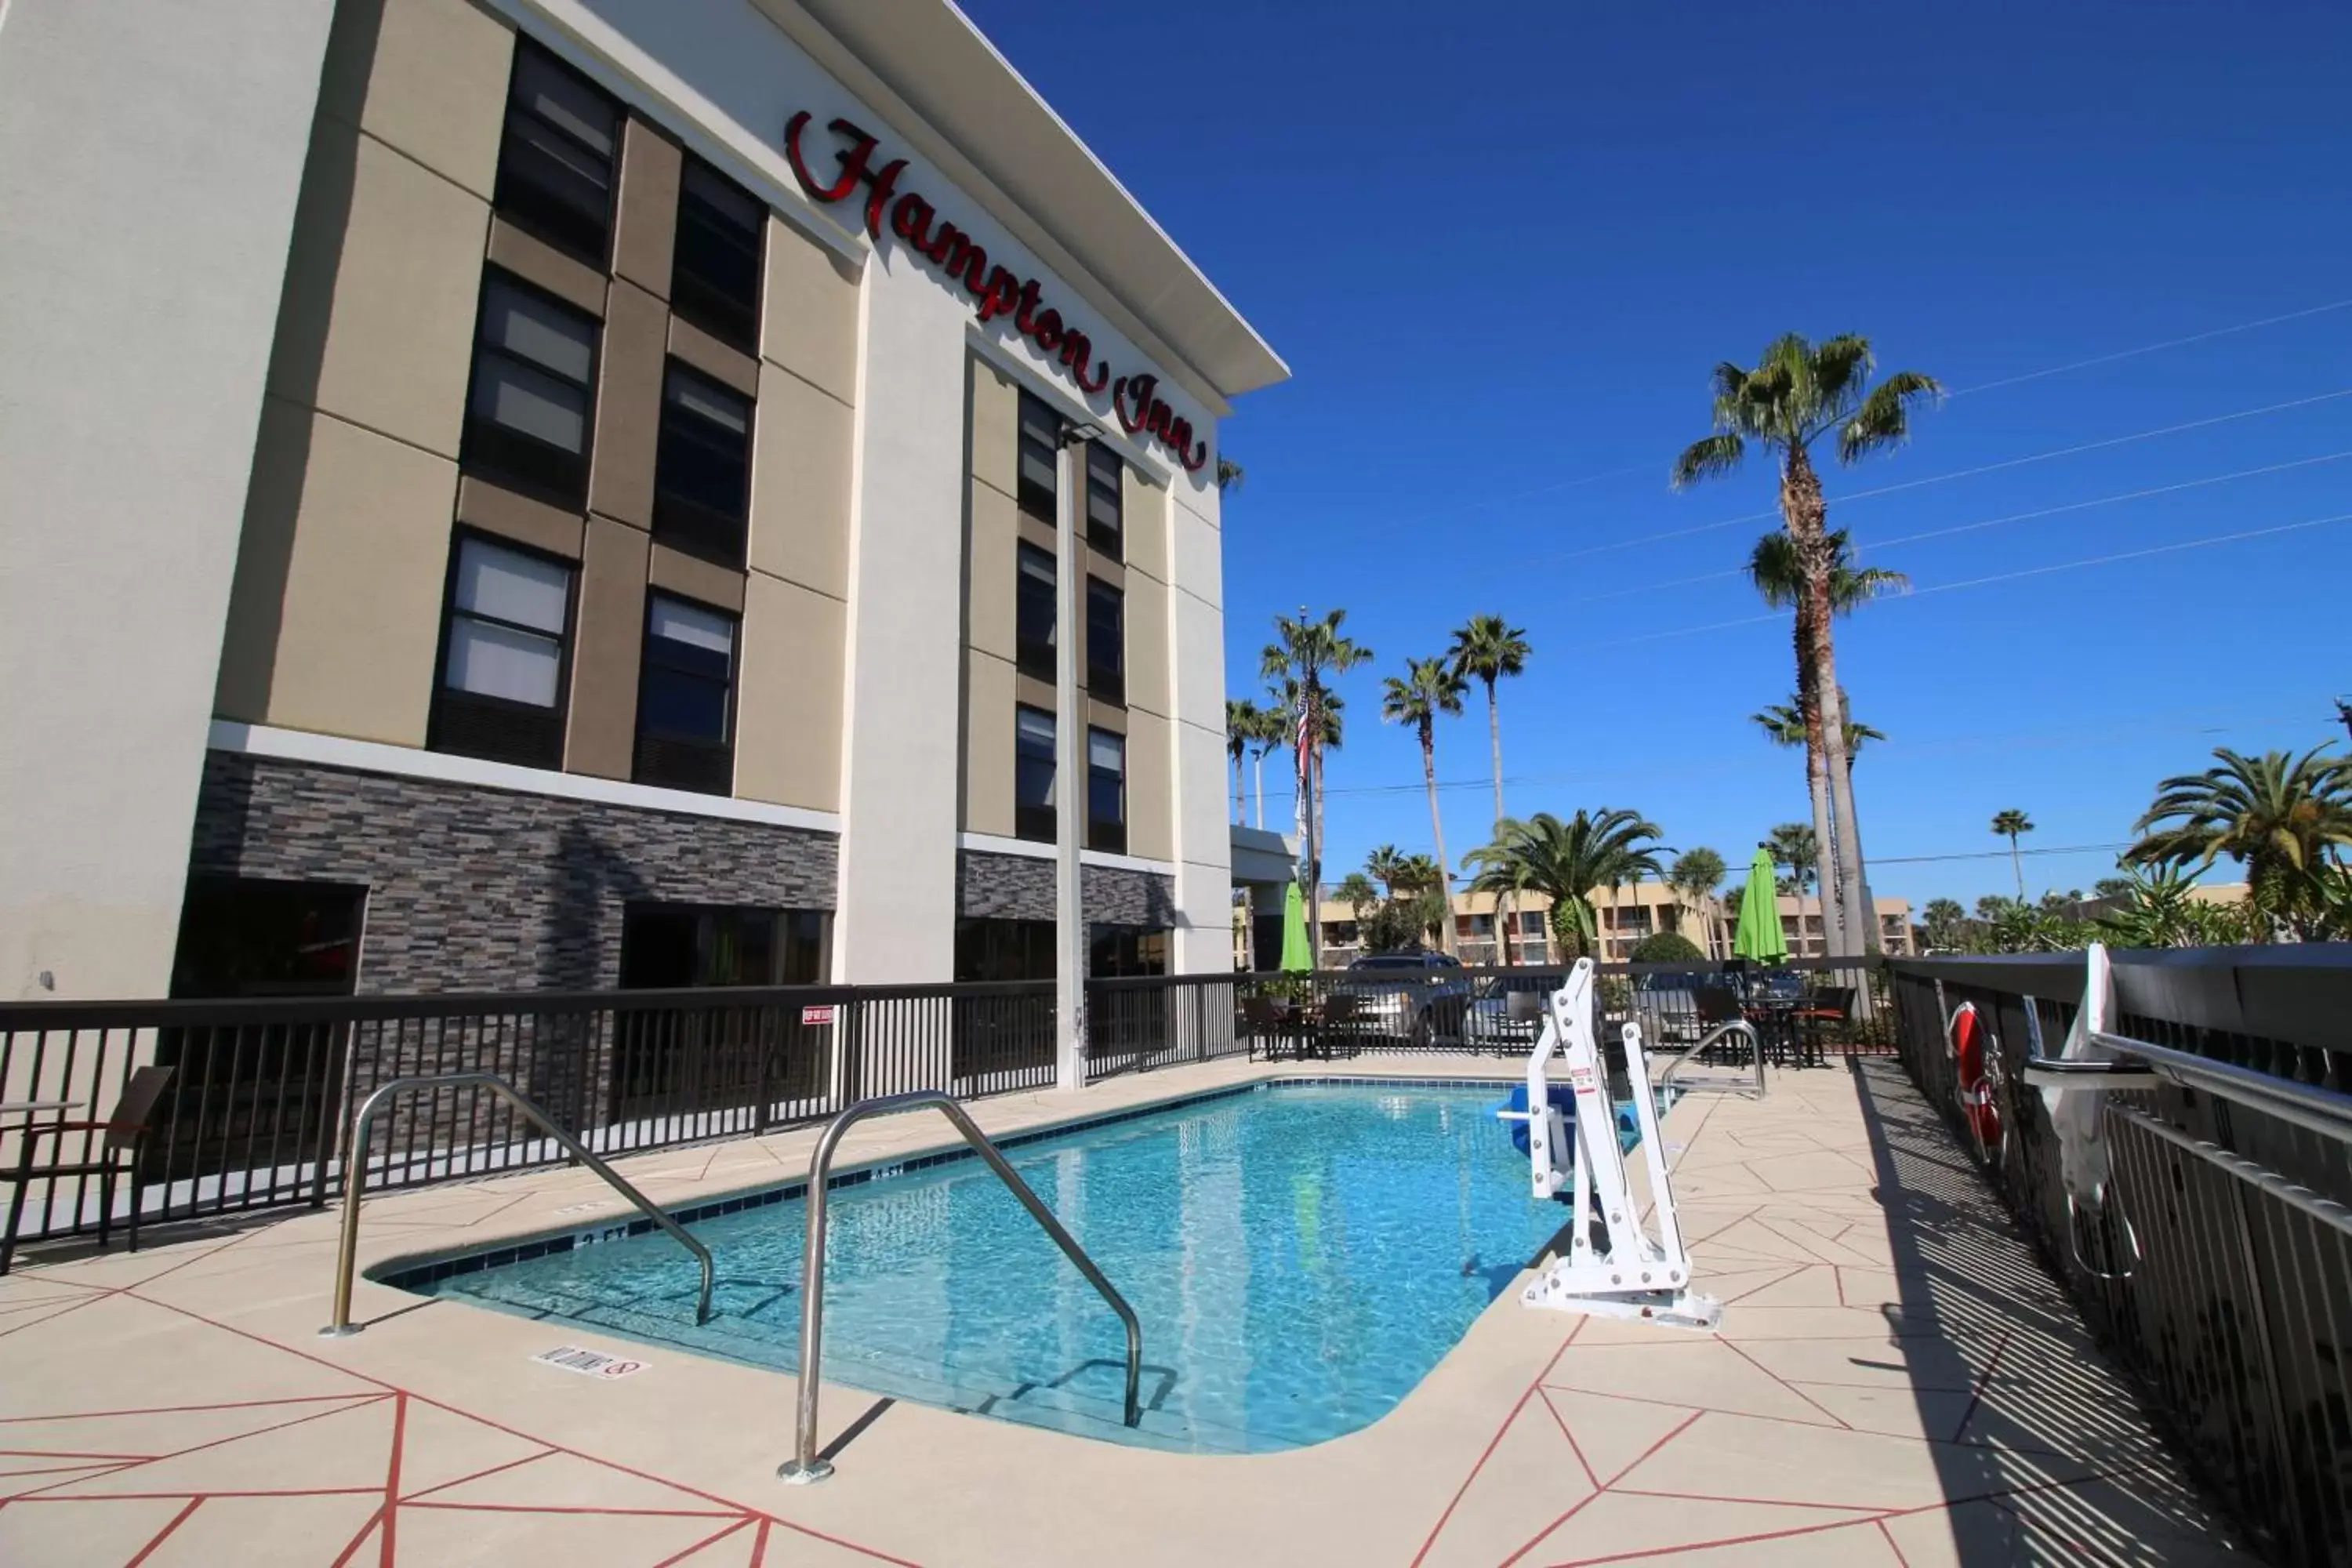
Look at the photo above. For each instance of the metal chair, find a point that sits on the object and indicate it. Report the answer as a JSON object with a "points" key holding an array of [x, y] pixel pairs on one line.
{"points": [[1521, 1009], [1716, 1006], [1265, 1019], [1343, 1018], [126, 1135], [1830, 1005]]}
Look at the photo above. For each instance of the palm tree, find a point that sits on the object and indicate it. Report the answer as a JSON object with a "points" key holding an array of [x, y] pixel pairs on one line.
{"points": [[1356, 891], [1229, 474], [1783, 725], [1306, 651], [1274, 730], [1488, 648], [1386, 866], [1943, 918], [1243, 721], [2285, 818], [1776, 567], [1417, 874], [1429, 687], [1797, 394], [1695, 875], [1565, 861], [1797, 851], [2013, 825]]}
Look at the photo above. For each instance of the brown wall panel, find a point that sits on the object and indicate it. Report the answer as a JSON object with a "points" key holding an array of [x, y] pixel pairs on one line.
{"points": [[610, 639], [628, 407]]}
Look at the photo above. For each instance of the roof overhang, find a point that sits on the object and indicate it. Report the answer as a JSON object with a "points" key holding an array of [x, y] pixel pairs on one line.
{"points": [[946, 89]]}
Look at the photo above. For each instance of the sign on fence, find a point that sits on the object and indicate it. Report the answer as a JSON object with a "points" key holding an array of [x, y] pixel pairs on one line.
{"points": [[810, 1017]]}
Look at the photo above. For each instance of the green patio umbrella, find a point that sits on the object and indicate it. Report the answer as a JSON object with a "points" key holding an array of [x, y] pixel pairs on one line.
{"points": [[1298, 957], [1759, 936]]}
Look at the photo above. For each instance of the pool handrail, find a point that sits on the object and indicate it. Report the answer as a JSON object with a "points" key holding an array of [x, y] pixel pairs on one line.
{"points": [[355, 1184], [805, 1468], [1735, 1026]]}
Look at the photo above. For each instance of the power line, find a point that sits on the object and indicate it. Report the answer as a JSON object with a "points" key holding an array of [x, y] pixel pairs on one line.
{"points": [[1955, 473], [2154, 348], [1992, 522], [1997, 854]]}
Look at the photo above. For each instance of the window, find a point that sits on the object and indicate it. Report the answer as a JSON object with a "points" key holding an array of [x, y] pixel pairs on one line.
{"points": [[1003, 950], [527, 415], [684, 737], [1531, 923], [556, 162], [702, 468], [243, 937], [669, 945], [1035, 608], [1033, 774], [1105, 791], [1115, 951], [1039, 455], [1106, 642], [715, 272], [1106, 477], [500, 694]]}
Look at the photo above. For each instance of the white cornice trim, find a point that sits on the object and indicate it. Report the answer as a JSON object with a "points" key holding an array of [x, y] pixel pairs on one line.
{"points": [[441, 767], [990, 844]]}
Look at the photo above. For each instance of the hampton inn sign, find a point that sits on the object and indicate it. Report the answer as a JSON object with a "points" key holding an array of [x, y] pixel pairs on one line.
{"points": [[996, 290]]}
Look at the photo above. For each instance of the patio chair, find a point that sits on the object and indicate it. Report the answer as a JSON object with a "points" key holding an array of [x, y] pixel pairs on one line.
{"points": [[1266, 1020], [1523, 1012], [126, 1135], [1830, 1006], [1342, 1020], [1716, 1006]]}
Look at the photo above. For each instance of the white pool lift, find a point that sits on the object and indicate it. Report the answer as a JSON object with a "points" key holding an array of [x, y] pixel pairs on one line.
{"points": [[1634, 1276]]}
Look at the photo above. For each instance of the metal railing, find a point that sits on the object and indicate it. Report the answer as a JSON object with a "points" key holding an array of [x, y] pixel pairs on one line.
{"points": [[1738, 1028], [2214, 1257], [807, 1466], [355, 1190]]}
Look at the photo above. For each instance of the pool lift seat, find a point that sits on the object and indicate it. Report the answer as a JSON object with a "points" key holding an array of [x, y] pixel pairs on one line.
{"points": [[1635, 1275]]}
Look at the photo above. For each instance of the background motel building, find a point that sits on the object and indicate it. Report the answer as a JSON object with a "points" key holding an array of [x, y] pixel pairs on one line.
{"points": [[478, 518]]}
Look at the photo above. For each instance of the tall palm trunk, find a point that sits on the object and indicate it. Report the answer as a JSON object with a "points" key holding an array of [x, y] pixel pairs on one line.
{"points": [[1238, 816], [2018, 866], [1437, 831], [1806, 516], [1258, 787], [1816, 783], [1303, 815], [1503, 904]]}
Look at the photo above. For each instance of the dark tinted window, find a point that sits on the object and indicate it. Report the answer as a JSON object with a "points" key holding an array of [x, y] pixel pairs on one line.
{"points": [[1003, 950], [528, 414], [503, 662], [559, 154], [1040, 443], [1106, 477], [715, 270], [1105, 791], [684, 687], [702, 472], [1033, 772], [1106, 642], [243, 937], [667, 945], [1034, 603]]}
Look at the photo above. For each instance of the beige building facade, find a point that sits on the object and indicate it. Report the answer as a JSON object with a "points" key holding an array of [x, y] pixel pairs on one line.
{"points": [[650, 426]]}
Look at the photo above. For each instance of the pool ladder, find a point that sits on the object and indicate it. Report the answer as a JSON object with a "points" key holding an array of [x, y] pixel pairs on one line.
{"points": [[355, 1168], [806, 1467]]}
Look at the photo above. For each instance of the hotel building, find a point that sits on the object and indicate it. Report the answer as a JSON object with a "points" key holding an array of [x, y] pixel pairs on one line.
{"points": [[563, 494]]}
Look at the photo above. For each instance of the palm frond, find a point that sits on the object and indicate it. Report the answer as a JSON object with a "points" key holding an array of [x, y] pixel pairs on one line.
{"points": [[1776, 568], [1840, 367], [1707, 457], [1884, 419]]}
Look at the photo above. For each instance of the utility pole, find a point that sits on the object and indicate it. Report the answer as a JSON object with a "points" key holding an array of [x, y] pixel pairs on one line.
{"points": [[1069, 768]]}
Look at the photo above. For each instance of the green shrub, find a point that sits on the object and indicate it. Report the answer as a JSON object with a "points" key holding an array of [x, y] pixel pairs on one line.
{"points": [[1668, 947]]}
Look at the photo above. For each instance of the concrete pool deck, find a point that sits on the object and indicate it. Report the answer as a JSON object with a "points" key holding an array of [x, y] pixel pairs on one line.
{"points": [[1896, 1381]]}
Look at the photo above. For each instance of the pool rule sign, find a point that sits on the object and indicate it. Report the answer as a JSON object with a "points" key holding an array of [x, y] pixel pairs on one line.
{"points": [[589, 1364]]}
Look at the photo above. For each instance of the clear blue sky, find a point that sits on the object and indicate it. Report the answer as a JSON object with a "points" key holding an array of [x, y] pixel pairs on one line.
{"points": [[1501, 246]]}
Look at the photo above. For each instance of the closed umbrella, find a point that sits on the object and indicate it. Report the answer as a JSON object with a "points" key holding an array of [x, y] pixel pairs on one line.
{"points": [[1298, 957], [1759, 936]]}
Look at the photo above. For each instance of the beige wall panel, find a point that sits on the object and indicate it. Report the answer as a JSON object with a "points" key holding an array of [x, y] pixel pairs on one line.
{"points": [[608, 638], [1143, 516], [988, 744], [991, 596], [809, 319], [1103, 715], [1032, 692], [628, 407], [494, 509], [360, 624], [1150, 819], [645, 229], [788, 712], [800, 484], [535, 261], [705, 582], [1146, 645], [428, 77], [383, 283], [728, 366], [995, 426]]}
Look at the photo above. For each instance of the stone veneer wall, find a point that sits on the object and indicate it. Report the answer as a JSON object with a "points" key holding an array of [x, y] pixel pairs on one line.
{"points": [[472, 889], [1021, 887]]}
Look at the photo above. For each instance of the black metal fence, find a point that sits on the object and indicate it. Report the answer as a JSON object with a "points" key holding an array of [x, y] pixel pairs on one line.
{"points": [[2230, 1302]]}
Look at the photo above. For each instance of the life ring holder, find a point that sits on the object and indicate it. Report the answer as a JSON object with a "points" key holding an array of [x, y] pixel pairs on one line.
{"points": [[1980, 1077]]}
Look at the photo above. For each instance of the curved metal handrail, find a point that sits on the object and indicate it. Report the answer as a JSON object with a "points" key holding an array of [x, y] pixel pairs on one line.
{"points": [[355, 1184], [804, 1466], [1735, 1026]]}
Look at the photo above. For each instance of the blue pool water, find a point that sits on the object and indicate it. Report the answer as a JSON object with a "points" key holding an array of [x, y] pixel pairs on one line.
{"points": [[1300, 1257]]}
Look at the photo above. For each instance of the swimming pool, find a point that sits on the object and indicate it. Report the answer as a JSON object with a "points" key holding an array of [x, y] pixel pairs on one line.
{"points": [[1301, 1254]]}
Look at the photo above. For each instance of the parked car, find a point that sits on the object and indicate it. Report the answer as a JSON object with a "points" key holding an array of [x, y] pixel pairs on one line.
{"points": [[1488, 1024], [1415, 996], [1666, 1003]]}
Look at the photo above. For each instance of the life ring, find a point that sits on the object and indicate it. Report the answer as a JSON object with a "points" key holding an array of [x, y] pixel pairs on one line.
{"points": [[1976, 1055]]}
